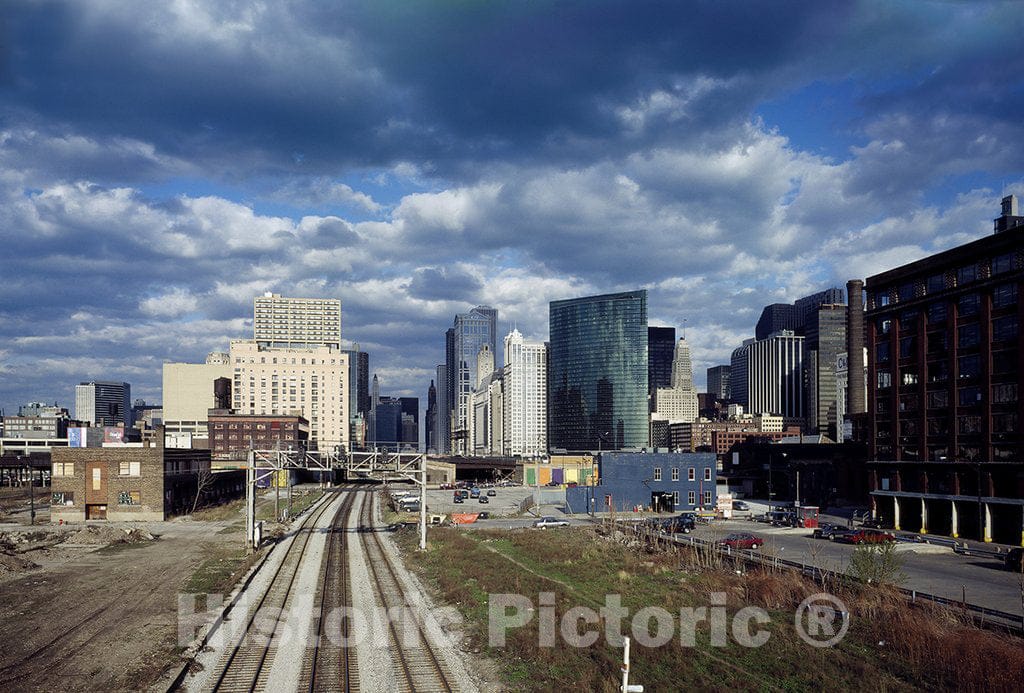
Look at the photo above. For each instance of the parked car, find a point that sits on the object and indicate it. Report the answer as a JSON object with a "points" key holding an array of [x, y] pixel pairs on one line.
{"points": [[552, 483], [547, 521], [484, 499], [491, 492], [826, 530], [1013, 559], [474, 492], [741, 506], [457, 498], [742, 540], [685, 523], [864, 536]]}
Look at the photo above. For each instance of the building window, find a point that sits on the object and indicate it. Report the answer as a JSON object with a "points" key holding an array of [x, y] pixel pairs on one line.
{"points": [[63, 469], [905, 292], [884, 325], [968, 336], [882, 298], [1002, 263], [129, 498], [1004, 329], [707, 498], [938, 372], [62, 498], [675, 498], [937, 313], [675, 473], [969, 424], [1004, 423], [936, 283], [1003, 393], [691, 474], [882, 352], [969, 367], [1004, 295], [968, 304], [938, 343], [966, 275], [657, 473], [908, 346], [130, 469], [908, 377], [691, 498], [969, 396], [707, 473], [884, 379], [1004, 362]]}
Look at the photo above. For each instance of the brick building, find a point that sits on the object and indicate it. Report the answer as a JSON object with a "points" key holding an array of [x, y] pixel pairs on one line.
{"points": [[130, 483], [945, 369], [233, 435]]}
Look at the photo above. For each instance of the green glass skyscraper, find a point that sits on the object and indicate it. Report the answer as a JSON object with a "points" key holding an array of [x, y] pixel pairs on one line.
{"points": [[597, 372]]}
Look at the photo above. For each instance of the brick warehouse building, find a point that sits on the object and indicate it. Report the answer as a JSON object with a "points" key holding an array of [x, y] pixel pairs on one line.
{"points": [[945, 368], [233, 435], [133, 483]]}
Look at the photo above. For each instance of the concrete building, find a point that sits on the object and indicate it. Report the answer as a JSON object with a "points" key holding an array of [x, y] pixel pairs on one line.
{"points": [[188, 396], [463, 342], [430, 420], [718, 383], [678, 402], [104, 403], [525, 388], [141, 484], [944, 383], [441, 438], [597, 373], [309, 382], [661, 344], [767, 375], [664, 482], [296, 323], [824, 339]]}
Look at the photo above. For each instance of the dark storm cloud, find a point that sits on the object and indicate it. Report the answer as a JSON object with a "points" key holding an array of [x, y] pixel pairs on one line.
{"points": [[444, 284]]}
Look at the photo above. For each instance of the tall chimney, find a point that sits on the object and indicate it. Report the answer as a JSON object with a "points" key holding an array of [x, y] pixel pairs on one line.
{"points": [[855, 403]]}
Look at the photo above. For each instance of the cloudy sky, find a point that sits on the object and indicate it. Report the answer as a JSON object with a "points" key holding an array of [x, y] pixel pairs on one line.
{"points": [[163, 163]]}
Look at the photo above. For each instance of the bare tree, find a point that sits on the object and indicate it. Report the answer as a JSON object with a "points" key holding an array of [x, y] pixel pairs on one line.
{"points": [[204, 480]]}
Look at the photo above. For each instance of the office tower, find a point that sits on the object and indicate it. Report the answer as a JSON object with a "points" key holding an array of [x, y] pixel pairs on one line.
{"points": [[766, 375], [856, 337], [678, 403], [597, 372], [804, 308], [944, 389], [430, 423], [824, 340], [287, 323], [387, 424], [525, 414], [775, 318], [410, 422], [442, 422], [104, 403], [358, 395], [463, 341], [718, 382], [309, 382], [661, 344]]}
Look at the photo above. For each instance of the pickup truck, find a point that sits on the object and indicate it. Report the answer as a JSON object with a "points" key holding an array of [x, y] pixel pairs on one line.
{"points": [[545, 522]]}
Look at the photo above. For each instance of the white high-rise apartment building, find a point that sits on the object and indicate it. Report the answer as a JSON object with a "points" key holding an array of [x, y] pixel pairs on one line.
{"points": [[525, 415], [281, 322], [311, 382], [679, 402]]}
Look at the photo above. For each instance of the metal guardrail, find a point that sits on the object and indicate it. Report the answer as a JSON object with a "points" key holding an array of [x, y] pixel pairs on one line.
{"points": [[990, 617]]}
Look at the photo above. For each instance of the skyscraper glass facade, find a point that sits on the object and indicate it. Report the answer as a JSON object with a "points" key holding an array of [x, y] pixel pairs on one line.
{"points": [[597, 372]]}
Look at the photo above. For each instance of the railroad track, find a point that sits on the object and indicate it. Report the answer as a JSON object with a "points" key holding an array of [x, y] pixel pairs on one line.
{"points": [[246, 666], [421, 667], [332, 664]]}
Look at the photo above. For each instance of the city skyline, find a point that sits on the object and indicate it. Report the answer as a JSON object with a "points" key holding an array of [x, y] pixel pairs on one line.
{"points": [[502, 162]]}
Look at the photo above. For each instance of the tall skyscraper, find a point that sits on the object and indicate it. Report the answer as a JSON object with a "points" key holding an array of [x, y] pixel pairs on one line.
{"points": [[280, 322], [430, 424], [597, 372], [410, 422], [358, 394], [775, 318], [718, 382], [661, 343], [824, 340], [470, 331], [766, 376], [442, 421], [678, 402], [104, 403], [525, 417]]}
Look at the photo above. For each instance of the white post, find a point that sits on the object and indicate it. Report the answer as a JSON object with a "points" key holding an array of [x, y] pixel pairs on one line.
{"points": [[250, 505], [798, 488], [625, 664], [423, 501]]}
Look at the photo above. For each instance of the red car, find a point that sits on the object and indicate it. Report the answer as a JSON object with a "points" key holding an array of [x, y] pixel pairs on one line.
{"points": [[742, 540], [865, 536]]}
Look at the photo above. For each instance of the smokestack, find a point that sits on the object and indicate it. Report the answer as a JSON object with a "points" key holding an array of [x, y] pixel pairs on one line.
{"points": [[855, 403]]}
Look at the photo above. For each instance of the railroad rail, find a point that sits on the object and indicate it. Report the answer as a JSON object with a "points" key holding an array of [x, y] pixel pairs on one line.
{"points": [[422, 669], [244, 667]]}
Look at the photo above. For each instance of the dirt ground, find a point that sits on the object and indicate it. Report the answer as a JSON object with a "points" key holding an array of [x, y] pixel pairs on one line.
{"points": [[78, 613]]}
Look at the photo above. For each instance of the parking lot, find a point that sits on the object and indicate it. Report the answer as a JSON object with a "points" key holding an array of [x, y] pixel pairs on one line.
{"points": [[505, 502]]}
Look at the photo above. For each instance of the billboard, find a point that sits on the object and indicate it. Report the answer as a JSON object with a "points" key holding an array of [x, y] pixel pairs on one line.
{"points": [[113, 434], [77, 437]]}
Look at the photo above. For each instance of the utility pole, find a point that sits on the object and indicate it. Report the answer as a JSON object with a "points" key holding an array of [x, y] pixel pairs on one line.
{"points": [[423, 500], [626, 687]]}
